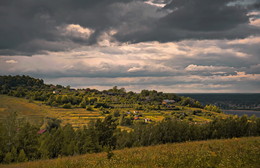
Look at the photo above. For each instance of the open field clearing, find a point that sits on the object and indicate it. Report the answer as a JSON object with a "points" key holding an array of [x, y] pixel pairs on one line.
{"points": [[35, 111]]}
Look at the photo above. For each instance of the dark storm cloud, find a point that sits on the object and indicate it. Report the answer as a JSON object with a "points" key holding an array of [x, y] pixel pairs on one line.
{"points": [[256, 5], [204, 15], [198, 19], [26, 21], [34, 26]]}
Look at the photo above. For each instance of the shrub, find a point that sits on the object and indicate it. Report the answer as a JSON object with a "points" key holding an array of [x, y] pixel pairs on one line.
{"points": [[8, 158], [89, 108], [67, 106], [22, 156], [176, 108], [195, 112]]}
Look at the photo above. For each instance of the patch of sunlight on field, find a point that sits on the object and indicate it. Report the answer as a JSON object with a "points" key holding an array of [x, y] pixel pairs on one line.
{"points": [[156, 118], [152, 114], [35, 112], [22, 107], [2, 109], [200, 119]]}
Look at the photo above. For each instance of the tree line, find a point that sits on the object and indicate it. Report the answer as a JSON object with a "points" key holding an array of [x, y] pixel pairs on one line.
{"points": [[21, 141], [64, 97]]}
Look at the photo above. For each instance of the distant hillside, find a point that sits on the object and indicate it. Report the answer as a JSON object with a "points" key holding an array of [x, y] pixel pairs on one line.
{"points": [[229, 101], [238, 152], [79, 106]]}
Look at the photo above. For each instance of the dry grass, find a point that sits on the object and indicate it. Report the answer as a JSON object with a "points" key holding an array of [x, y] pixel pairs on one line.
{"points": [[228, 153], [35, 112], [22, 107]]}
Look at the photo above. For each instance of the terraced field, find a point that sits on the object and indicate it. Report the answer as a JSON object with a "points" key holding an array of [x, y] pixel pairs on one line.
{"points": [[36, 111]]}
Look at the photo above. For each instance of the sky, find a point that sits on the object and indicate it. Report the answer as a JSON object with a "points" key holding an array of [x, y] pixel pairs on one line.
{"points": [[178, 46]]}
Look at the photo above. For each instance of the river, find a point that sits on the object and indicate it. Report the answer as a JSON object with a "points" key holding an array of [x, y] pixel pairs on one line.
{"points": [[243, 112]]}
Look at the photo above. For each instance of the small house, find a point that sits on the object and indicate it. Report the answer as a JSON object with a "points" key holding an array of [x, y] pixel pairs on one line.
{"points": [[138, 115], [146, 120], [56, 92], [41, 131], [167, 102], [136, 112], [136, 118], [128, 113]]}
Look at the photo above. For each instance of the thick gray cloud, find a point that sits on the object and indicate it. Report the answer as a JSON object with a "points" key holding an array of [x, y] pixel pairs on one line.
{"points": [[186, 66], [37, 26], [199, 19], [167, 45], [204, 15], [26, 21]]}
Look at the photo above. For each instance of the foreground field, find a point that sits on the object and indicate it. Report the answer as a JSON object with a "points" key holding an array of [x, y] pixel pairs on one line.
{"points": [[228, 153]]}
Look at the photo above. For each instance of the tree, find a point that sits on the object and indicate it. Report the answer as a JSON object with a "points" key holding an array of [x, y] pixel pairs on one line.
{"points": [[67, 106], [64, 99], [22, 156], [28, 140], [105, 130], [89, 108], [2, 142], [115, 89], [10, 126], [50, 100], [116, 113], [68, 146], [59, 99], [51, 123], [83, 104], [51, 144], [14, 153], [87, 141], [213, 108], [8, 158]]}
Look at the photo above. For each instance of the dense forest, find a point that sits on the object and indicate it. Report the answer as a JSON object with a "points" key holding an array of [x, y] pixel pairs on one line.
{"points": [[22, 141]]}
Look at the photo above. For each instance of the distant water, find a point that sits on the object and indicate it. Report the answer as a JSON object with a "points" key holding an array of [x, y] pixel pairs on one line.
{"points": [[232, 103], [242, 112]]}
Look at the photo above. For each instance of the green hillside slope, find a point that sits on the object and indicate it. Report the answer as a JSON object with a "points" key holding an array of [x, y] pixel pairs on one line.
{"points": [[35, 111]]}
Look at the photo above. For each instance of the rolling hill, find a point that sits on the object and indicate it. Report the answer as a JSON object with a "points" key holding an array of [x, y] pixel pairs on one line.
{"points": [[35, 111]]}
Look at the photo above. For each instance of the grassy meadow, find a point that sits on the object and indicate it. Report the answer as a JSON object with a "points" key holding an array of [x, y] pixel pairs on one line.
{"points": [[226, 153]]}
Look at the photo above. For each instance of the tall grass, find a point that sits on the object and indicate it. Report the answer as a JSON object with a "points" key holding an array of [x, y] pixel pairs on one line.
{"points": [[227, 153]]}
